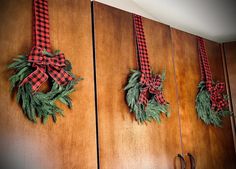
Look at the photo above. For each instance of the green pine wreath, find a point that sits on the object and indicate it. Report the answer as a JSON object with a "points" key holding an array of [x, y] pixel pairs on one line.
{"points": [[153, 110], [39, 104], [203, 107]]}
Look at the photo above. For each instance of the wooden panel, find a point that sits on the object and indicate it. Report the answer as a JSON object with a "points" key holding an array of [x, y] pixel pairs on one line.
{"points": [[212, 147], [71, 143], [123, 142], [230, 57]]}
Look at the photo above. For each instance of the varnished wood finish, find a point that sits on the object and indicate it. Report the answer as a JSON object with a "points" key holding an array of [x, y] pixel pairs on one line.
{"points": [[71, 143], [212, 147], [229, 58], [125, 144]]}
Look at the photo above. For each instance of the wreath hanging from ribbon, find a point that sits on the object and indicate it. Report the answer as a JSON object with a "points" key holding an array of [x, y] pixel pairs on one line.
{"points": [[144, 89], [211, 102], [32, 70]]}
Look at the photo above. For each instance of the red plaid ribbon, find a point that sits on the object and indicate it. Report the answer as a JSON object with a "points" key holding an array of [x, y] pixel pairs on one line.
{"points": [[41, 40], [151, 87], [41, 36], [150, 83], [52, 65], [216, 90]]}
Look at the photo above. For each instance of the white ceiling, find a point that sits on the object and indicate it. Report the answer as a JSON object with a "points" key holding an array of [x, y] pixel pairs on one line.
{"points": [[211, 19]]}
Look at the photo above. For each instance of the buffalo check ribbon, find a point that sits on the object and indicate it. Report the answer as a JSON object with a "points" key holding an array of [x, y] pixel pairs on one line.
{"points": [[216, 90], [45, 65], [149, 82], [41, 36]]}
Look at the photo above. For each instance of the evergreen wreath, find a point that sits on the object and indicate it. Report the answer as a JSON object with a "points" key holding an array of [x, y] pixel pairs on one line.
{"points": [[211, 102], [153, 109], [33, 70], [204, 109], [144, 89], [39, 104]]}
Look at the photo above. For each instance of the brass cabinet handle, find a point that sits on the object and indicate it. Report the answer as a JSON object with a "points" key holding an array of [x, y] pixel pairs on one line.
{"points": [[182, 161], [192, 161]]}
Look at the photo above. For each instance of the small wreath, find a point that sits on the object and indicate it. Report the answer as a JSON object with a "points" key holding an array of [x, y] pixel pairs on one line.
{"points": [[153, 108], [209, 113], [39, 104], [211, 102]]}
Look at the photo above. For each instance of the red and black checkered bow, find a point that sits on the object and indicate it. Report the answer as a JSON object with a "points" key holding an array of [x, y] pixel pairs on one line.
{"points": [[216, 90], [41, 41], [150, 83], [151, 87], [52, 65]]}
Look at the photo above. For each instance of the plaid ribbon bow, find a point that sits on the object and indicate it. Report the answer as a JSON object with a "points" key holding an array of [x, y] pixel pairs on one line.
{"points": [[218, 102], [217, 99], [151, 87], [44, 64], [150, 84], [41, 41]]}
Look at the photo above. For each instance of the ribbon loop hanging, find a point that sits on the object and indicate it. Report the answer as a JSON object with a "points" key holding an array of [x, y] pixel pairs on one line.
{"points": [[218, 102], [149, 81], [142, 48], [144, 89], [41, 36], [45, 65]]}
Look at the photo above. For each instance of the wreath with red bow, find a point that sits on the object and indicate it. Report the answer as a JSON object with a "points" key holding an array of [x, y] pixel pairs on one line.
{"points": [[145, 89], [32, 70], [211, 102]]}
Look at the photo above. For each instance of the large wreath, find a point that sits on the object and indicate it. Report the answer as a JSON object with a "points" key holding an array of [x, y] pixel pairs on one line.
{"points": [[144, 89], [155, 105], [39, 104]]}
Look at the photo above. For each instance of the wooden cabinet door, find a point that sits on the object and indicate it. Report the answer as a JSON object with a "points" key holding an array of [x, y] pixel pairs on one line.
{"points": [[123, 143], [212, 147], [230, 62], [230, 58], [71, 142]]}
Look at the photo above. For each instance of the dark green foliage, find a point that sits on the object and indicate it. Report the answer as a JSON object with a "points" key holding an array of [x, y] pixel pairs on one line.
{"points": [[153, 109], [39, 104], [22, 68], [203, 106]]}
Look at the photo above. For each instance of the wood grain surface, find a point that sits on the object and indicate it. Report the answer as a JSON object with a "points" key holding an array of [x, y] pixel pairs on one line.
{"points": [[71, 142], [212, 147], [229, 58], [123, 143]]}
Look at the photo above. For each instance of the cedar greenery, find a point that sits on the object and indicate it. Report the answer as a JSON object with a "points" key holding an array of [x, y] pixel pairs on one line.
{"points": [[153, 109], [39, 104], [203, 106]]}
